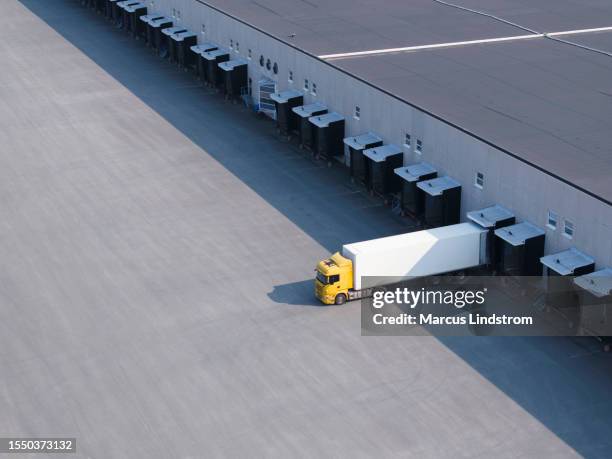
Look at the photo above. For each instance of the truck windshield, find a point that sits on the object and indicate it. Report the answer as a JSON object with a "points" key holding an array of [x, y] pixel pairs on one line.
{"points": [[321, 278]]}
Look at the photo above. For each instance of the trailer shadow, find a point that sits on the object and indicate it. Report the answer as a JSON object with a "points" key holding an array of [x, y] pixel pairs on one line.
{"points": [[564, 383]]}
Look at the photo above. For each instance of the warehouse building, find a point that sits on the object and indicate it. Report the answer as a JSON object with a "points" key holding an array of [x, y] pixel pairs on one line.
{"points": [[513, 100]]}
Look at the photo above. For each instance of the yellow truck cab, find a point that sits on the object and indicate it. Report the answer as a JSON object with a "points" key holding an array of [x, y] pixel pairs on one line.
{"points": [[334, 279]]}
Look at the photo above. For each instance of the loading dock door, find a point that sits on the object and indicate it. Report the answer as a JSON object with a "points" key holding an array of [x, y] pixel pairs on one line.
{"points": [[357, 162], [595, 298], [285, 101], [522, 248], [492, 218], [561, 293], [382, 162], [442, 201], [412, 199]]}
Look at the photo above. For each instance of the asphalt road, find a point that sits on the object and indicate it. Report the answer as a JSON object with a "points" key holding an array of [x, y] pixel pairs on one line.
{"points": [[157, 247]]}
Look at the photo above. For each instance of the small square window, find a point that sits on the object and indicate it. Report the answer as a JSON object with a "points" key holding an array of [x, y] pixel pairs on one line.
{"points": [[231, 44], [250, 54], [314, 89], [419, 146], [290, 76], [203, 28], [306, 85], [568, 229], [357, 112], [479, 180], [178, 14], [552, 220], [407, 141], [237, 47]]}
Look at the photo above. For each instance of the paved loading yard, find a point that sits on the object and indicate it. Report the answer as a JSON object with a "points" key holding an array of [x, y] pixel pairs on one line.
{"points": [[157, 248]]}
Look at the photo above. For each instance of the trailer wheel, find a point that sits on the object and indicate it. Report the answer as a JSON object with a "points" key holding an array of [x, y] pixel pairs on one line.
{"points": [[340, 299]]}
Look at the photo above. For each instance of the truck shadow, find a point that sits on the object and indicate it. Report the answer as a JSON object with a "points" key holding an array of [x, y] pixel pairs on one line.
{"points": [[296, 294], [564, 383]]}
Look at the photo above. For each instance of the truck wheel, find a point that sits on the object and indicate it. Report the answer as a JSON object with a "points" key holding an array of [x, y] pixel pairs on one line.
{"points": [[340, 299]]}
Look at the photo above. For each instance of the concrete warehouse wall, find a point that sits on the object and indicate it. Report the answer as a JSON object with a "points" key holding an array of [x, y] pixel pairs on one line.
{"points": [[508, 181]]}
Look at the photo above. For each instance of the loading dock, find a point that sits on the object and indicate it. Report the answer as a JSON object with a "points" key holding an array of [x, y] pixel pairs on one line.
{"points": [[144, 25], [183, 43], [492, 218], [521, 249], [328, 132], [155, 38], [595, 300], [198, 61], [172, 34], [213, 59], [381, 163], [286, 120], [134, 12], [235, 76], [559, 270], [304, 112], [412, 199], [442, 201], [123, 15], [357, 162], [113, 10]]}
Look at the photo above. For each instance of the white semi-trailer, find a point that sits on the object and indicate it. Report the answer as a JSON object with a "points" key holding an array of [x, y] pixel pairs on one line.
{"points": [[390, 259]]}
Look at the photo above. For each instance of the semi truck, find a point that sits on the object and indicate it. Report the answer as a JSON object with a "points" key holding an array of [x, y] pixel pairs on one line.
{"points": [[388, 260]]}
